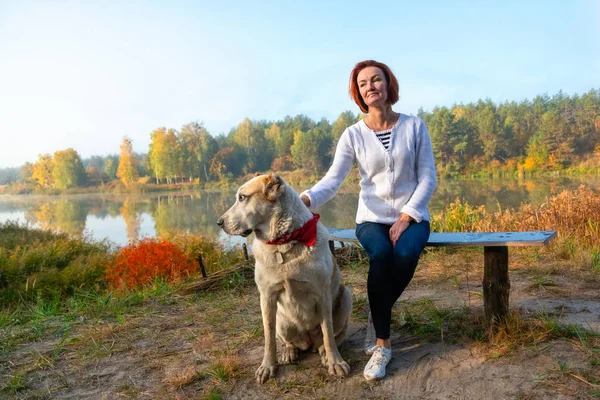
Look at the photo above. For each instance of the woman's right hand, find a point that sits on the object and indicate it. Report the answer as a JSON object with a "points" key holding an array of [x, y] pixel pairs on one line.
{"points": [[305, 200]]}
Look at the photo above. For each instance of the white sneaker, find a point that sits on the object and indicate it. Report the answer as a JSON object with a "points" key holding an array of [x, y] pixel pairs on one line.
{"points": [[370, 337], [375, 368]]}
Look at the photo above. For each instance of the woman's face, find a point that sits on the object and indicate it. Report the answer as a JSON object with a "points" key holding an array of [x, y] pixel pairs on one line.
{"points": [[372, 86]]}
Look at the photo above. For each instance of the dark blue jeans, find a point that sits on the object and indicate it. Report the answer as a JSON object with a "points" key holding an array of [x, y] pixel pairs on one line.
{"points": [[390, 268]]}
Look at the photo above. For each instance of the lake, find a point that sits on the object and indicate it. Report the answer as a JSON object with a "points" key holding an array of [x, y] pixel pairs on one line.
{"points": [[121, 218]]}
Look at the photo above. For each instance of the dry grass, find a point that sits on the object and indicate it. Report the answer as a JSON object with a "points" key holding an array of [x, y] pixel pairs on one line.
{"points": [[179, 379]]}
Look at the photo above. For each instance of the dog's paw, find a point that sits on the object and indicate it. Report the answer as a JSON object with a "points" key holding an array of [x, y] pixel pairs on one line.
{"points": [[264, 372], [323, 355], [289, 354], [339, 368]]}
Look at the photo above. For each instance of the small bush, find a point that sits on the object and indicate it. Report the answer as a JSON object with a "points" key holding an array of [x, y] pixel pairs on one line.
{"points": [[142, 262]]}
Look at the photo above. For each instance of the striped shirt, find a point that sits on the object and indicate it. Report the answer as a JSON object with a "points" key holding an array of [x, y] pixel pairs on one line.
{"points": [[384, 137]]}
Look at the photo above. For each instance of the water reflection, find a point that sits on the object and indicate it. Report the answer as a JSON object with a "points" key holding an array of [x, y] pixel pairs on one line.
{"points": [[126, 218]]}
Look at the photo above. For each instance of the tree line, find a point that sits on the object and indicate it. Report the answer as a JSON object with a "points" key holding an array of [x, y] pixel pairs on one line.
{"points": [[546, 133]]}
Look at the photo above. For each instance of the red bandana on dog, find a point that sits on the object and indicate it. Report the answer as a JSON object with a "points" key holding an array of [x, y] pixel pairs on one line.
{"points": [[306, 235]]}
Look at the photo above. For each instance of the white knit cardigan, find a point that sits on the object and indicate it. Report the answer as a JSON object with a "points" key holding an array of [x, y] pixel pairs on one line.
{"points": [[399, 179]]}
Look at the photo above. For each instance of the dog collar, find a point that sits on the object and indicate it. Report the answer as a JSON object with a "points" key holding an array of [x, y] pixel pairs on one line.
{"points": [[306, 235]]}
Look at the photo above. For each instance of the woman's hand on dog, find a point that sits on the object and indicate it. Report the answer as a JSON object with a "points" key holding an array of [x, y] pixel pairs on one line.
{"points": [[305, 200]]}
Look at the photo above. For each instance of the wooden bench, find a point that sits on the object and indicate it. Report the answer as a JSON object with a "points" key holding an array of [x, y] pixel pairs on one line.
{"points": [[496, 284]]}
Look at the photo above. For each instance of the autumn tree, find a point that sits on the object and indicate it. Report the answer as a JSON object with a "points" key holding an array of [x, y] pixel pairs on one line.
{"points": [[164, 160], [127, 170], [42, 171], [67, 169]]}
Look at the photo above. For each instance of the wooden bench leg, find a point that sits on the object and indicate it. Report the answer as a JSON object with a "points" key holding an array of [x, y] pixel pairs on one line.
{"points": [[496, 285]]}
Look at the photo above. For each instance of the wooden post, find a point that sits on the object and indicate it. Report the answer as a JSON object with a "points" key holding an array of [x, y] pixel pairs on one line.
{"points": [[496, 285], [202, 269], [245, 249]]}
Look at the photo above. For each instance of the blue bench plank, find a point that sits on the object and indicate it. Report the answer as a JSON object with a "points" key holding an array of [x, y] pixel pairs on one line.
{"points": [[439, 239]]}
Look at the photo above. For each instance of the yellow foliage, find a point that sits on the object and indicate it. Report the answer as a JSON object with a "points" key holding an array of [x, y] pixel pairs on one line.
{"points": [[552, 161], [529, 164], [459, 112], [127, 170], [42, 171]]}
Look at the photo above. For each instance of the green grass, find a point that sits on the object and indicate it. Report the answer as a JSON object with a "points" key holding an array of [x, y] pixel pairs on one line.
{"points": [[219, 372], [541, 280], [214, 394], [16, 383], [595, 257]]}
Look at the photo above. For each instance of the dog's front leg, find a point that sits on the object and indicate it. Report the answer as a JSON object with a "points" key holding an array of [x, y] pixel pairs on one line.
{"points": [[335, 363], [268, 306]]}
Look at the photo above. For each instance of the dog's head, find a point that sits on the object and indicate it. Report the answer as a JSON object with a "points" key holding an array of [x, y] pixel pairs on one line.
{"points": [[256, 202]]}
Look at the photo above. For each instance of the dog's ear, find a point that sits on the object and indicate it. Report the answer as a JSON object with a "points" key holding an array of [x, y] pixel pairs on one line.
{"points": [[274, 187]]}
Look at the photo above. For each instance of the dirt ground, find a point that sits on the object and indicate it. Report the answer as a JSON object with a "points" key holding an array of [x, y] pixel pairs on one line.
{"points": [[208, 345]]}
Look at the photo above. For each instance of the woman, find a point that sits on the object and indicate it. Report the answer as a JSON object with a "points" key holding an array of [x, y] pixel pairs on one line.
{"points": [[397, 172]]}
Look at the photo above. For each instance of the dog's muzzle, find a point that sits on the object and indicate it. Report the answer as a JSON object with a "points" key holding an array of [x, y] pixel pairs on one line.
{"points": [[221, 223]]}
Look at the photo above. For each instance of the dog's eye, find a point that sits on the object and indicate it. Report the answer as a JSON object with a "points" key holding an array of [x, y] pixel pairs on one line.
{"points": [[241, 197]]}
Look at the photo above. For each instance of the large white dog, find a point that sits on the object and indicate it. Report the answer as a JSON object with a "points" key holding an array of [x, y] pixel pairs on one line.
{"points": [[302, 297]]}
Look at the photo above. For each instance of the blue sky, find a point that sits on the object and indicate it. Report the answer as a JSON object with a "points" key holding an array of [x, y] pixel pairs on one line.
{"points": [[83, 74]]}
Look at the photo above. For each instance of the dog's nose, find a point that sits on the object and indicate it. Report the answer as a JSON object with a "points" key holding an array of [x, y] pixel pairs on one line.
{"points": [[220, 222]]}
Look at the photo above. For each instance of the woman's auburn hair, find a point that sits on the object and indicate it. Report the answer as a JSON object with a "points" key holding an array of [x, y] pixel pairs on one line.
{"points": [[392, 83]]}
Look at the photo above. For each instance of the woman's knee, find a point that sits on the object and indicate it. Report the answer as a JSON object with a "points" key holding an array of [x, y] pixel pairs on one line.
{"points": [[406, 256], [380, 253]]}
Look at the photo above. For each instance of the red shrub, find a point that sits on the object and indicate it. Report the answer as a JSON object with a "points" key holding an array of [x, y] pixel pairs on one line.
{"points": [[142, 262]]}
